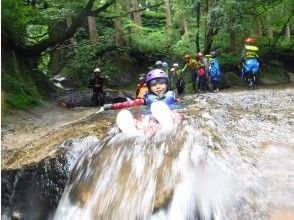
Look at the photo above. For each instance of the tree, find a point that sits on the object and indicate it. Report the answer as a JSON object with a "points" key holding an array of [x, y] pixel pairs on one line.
{"points": [[169, 26], [137, 13], [20, 66]]}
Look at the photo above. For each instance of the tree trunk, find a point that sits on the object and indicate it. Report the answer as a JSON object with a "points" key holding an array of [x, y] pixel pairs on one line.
{"points": [[92, 30], [137, 14], [58, 54], [128, 8], [197, 27], [205, 20], [184, 26], [269, 27], [119, 40], [232, 41], [168, 18], [211, 32], [72, 40], [288, 33]]}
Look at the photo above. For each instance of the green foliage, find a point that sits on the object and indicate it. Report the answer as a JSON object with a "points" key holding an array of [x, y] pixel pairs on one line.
{"points": [[83, 62], [182, 46], [232, 79], [20, 101], [230, 59], [150, 42], [15, 17], [154, 14], [37, 33], [43, 64], [19, 94], [273, 75]]}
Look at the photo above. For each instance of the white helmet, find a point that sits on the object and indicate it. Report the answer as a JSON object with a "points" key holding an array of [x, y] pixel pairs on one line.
{"points": [[97, 70], [158, 63], [175, 65]]}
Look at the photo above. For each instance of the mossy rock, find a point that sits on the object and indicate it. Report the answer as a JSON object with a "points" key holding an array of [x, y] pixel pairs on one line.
{"points": [[230, 79], [273, 75]]}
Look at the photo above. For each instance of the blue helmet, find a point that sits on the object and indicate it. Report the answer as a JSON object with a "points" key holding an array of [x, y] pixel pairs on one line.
{"points": [[164, 65], [213, 53]]}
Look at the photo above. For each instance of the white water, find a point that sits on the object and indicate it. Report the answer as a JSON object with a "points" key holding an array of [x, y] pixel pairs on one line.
{"points": [[232, 158]]}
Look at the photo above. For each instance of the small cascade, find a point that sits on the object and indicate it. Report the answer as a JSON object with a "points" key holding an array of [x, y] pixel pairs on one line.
{"points": [[212, 166], [232, 157]]}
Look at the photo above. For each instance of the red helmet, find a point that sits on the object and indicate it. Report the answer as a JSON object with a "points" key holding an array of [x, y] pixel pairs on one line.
{"points": [[249, 40], [199, 54]]}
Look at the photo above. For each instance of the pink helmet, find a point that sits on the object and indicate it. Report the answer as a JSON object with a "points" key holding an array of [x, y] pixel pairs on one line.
{"points": [[156, 73]]}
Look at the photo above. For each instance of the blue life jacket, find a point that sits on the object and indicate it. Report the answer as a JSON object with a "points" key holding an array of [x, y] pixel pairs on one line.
{"points": [[169, 98], [215, 70], [250, 65]]}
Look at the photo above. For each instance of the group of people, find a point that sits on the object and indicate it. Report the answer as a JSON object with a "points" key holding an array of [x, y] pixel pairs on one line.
{"points": [[155, 89], [204, 70], [205, 73]]}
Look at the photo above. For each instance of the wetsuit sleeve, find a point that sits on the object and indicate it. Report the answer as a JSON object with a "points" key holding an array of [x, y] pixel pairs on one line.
{"points": [[91, 83], [185, 67], [121, 105]]}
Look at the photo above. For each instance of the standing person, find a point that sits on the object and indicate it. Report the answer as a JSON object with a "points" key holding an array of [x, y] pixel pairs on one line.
{"points": [[191, 64], [206, 62], [201, 72], [250, 65], [178, 79], [97, 83], [158, 64], [214, 71], [141, 88], [165, 69]]}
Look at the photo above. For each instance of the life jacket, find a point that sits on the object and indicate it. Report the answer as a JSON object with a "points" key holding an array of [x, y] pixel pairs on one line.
{"points": [[250, 65], [201, 68], [141, 90], [169, 98], [215, 70], [201, 72], [251, 51]]}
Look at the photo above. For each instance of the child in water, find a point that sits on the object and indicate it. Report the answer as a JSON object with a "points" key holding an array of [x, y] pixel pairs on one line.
{"points": [[159, 100]]}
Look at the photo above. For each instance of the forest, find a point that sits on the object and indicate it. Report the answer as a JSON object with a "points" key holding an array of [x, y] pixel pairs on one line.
{"points": [[45, 38]]}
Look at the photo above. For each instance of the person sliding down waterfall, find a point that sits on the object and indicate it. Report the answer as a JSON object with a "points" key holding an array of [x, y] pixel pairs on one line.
{"points": [[159, 101]]}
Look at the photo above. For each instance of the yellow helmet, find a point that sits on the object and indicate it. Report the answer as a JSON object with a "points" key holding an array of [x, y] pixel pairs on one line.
{"points": [[187, 56]]}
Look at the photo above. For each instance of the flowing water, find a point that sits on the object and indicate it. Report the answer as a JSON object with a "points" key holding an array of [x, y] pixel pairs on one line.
{"points": [[231, 158]]}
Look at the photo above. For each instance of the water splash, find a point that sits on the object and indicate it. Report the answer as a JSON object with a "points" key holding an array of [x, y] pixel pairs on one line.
{"points": [[221, 163]]}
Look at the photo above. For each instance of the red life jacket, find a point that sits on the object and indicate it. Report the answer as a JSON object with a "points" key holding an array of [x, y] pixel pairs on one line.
{"points": [[201, 72]]}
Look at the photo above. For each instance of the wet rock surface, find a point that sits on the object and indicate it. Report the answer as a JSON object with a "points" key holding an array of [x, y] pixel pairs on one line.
{"points": [[249, 133], [34, 191]]}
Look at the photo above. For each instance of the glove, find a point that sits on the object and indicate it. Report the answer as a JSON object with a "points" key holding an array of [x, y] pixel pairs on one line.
{"points": [[107, 106]]}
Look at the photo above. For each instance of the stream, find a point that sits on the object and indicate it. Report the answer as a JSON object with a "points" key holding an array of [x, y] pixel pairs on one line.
{"points": [[231, 158]]}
